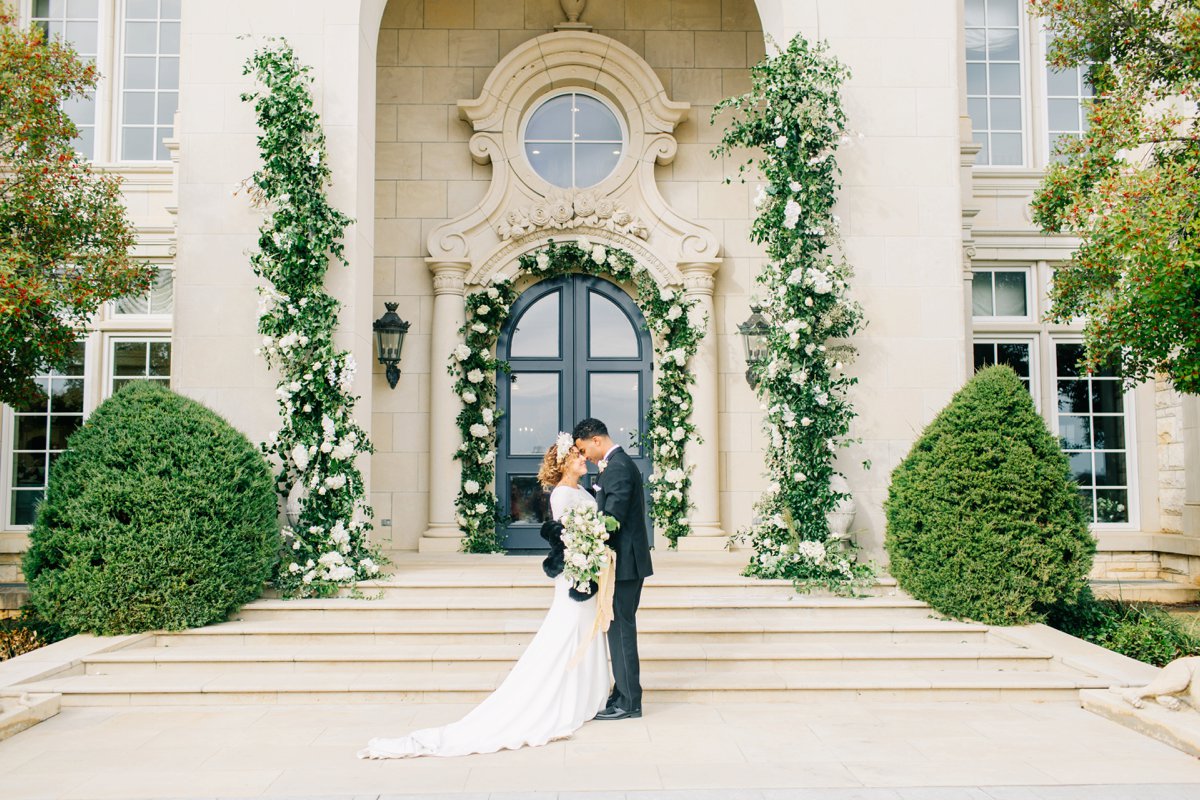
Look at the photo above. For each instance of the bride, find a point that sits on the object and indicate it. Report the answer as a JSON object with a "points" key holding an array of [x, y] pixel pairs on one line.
{"points": [[544, 697]]}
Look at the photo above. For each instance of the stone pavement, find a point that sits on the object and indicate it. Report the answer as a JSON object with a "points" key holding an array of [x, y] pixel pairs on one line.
{"points": [[872, 751]]}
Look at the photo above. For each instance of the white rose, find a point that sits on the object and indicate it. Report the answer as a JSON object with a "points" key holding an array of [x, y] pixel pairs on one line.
{"points": [[469, 397], [781, 142], [479, 327], [678, 434], [300, 456], [543, 260], [470, 487], [462, 352], [482, 311], [488, 457], [599, 254], [479, 430], [475, 376], [492, 293], [674, 312], [805, 421], [791, 214], [489, 416], [667, 295]]}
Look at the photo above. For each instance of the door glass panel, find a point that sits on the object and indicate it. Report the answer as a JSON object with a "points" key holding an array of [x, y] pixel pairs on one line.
{"points": [[610, 333], [536, 333], [533, 406], [614, 398], [528, 501]]}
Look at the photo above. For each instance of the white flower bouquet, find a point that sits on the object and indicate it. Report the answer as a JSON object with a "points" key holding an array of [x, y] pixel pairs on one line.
{"points": [[585, 546]]}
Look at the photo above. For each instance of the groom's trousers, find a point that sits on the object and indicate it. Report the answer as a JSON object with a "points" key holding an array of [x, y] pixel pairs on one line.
{"points": [[622, 645]]}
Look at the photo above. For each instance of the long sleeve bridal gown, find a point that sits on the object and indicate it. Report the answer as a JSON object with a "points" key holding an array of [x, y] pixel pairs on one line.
{"points": [[543, 698]]}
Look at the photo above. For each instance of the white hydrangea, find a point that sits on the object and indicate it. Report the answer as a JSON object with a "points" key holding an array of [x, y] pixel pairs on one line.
{"points": [[791, 214]]}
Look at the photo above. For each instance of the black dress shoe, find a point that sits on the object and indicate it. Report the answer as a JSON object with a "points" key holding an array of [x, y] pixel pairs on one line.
{"points": [[616, 712]]}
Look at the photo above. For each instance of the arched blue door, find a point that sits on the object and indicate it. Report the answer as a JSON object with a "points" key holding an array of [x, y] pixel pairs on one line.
{"points": [[578, 347]]}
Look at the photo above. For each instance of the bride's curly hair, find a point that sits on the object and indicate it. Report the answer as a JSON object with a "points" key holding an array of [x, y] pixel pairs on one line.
{"points": [[551, 471]]}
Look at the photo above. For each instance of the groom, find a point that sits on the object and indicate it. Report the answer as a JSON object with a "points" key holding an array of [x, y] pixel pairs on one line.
{"points": [[621, 496]]}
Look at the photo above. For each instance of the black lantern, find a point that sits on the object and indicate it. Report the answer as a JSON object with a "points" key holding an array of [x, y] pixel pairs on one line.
{"points": [[754, 335], [389, 336]]}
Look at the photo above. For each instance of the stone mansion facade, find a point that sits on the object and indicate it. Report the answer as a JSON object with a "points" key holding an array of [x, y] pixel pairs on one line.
{"points": [[444, 116]]}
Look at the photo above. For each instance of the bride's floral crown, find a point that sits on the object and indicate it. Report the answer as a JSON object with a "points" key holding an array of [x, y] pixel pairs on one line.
{"points": [[564, 443]]}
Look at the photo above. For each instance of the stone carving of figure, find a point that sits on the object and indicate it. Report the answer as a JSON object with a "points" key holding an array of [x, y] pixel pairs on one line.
{"points": [[1176, 685]]}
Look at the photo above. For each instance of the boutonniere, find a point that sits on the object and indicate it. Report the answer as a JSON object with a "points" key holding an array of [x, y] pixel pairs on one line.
{"points": [[601, 464], [596, 487]]}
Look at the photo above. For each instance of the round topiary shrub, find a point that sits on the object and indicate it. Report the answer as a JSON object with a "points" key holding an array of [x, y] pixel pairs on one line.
{"points": [[159, 515], [983, 518]]}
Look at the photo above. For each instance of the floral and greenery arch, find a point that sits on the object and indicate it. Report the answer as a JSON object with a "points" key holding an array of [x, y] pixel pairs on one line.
{"points": [[793, 116], [671, 320], [316, 447]]}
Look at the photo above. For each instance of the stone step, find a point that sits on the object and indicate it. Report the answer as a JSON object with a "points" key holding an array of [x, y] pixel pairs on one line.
{"points": [[503, 608], [660, 687], [535, 585], [354, 633], [1147, 591], [395, 659]]}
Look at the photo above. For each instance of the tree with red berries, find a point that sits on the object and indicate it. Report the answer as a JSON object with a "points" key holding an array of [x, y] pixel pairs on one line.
{"points": [[64, 233], [1130, 186]]}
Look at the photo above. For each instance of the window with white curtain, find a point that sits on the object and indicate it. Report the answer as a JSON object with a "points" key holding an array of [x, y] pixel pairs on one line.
{"points": [[159, 300], [1000, 293], [149, 78], [995, 82], [76, 22], [1068, 96]]}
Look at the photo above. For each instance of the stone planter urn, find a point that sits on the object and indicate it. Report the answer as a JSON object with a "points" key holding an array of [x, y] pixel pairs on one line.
{"points": [[842, 516]]}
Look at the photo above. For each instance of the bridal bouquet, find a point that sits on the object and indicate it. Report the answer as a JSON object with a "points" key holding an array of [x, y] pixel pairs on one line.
{"points": [[584, 538]]}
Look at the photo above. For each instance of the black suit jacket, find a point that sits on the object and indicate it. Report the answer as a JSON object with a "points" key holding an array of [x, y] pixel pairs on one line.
{"points": [[622, 495]]}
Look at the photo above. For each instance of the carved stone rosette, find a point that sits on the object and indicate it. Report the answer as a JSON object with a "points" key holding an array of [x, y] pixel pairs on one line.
{"points": [[567, 211]]}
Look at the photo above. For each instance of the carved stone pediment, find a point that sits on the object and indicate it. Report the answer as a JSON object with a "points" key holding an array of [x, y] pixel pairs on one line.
{"points": [[520, 205], [570, 210]]}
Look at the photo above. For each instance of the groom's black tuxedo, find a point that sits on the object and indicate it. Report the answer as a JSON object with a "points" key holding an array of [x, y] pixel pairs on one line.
{"points": [[622, 495]]}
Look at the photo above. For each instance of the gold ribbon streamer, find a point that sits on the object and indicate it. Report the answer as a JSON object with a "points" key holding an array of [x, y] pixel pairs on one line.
{"points": [[606, 586]]}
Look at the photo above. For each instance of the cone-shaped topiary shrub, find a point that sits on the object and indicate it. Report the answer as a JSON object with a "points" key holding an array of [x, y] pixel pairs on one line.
{"points": [[159, 515], [983, 518]]}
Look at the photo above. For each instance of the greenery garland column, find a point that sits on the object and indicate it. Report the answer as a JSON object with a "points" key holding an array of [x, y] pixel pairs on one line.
{"points": [[318, 442], [793, 117]]}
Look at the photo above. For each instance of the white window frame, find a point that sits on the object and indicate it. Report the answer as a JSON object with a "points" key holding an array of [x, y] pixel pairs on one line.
{"points": [[1030, 340], [1024, 67], [118, 72], [568, 90], [1043, 87], [1030, 299], [9, 424], [109, 101], [1131, 464], [111, 339]]}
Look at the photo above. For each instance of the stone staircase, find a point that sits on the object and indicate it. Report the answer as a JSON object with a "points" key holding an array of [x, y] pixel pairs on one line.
{"points": [[448, 628]]}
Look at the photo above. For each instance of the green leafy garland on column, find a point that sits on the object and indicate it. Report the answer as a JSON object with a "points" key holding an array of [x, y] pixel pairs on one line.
{"points": [[793, 115], [318, 442], [670, 318]]}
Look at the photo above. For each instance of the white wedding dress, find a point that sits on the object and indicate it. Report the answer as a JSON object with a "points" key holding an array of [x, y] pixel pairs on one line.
{"points": [[541, 699]]}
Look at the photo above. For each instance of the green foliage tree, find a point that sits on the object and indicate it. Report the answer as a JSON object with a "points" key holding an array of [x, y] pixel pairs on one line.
{"points": [[64, 233], [159, 515], [983, 519], [1130, 186]]}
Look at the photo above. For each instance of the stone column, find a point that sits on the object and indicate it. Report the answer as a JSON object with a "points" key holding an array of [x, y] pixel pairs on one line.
{"points": [[444, 438], [706, 532]]}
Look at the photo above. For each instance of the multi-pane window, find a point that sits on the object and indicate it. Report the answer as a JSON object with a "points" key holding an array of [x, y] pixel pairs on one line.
{"points": [[77, 22], [1015, 354], [994, 82], [574, 140], [1000, 293], [139, 360], [149, 78], [159, 300], [1091, 431], [40, 431], [1068, 95]]}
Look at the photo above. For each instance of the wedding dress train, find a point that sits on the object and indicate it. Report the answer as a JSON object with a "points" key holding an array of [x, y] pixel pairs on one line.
{"points": [[543, 698]]}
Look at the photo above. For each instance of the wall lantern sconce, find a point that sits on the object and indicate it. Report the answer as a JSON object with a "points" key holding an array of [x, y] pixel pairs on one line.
{"points": [[389, 337], [754, 335]]}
